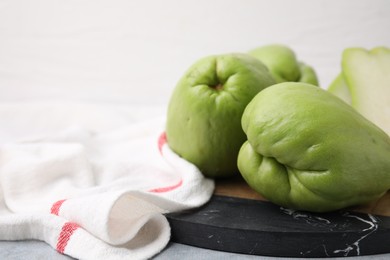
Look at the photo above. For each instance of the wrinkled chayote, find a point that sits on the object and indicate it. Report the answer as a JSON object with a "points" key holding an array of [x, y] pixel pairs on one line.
{"points": [[309, 150], [284, 65], [204, 112]]}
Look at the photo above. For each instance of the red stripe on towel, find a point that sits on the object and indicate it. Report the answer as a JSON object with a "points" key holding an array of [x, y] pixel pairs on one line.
{"points": [[55, 209], [67, 231], [166, 189], [162, 140]]}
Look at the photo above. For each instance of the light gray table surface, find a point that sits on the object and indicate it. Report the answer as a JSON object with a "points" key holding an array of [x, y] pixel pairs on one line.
{"points": [[37, 250]]}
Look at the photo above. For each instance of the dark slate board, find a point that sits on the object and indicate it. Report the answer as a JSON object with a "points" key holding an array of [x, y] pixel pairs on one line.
{"points": [[261, 228]]}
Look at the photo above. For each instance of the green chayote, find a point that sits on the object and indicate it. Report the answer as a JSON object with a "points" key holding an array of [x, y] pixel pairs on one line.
{"points": [[309, 150], [364, 83], [284, 65], [204, 113]]}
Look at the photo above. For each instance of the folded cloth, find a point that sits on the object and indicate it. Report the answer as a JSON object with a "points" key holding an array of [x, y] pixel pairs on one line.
{"points": [[97, 195]]}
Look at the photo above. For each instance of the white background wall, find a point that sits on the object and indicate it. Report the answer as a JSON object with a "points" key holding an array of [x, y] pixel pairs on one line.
{"points": [[131, 52]]}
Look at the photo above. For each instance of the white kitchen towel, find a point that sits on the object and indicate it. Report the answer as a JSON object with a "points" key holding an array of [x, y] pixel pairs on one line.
{"points": [[97, 195]]}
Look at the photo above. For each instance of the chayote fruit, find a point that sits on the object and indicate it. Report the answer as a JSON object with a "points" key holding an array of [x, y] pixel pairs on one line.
{"points": [[284, 65], [309, 150], [364, 83], [204, 113]]}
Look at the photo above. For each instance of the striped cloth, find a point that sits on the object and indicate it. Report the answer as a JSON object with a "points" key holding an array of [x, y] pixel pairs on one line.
{"points": [[97, 196]]}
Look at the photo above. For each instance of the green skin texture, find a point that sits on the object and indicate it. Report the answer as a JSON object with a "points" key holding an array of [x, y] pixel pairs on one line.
{"points": [[283, 64], [309, 150], [204, 113], [364, 83]]}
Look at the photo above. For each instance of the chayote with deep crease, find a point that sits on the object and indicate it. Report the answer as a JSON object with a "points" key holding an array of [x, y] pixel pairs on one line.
{"points": [[309, 150]]}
